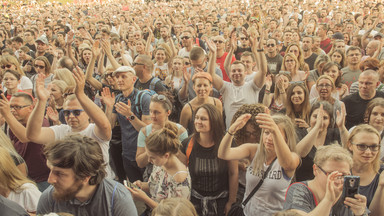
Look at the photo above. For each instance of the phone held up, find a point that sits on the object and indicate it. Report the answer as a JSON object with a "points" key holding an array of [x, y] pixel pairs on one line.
{"points": [[351, 186]]}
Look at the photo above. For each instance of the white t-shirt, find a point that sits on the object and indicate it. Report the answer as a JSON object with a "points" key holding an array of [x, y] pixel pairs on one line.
{"points": [[61, 131], [183, 53], [236, 96], [27, 197]]}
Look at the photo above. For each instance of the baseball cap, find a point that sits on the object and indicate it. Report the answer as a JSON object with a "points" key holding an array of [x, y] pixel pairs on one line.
{"points": [[42, 39]]}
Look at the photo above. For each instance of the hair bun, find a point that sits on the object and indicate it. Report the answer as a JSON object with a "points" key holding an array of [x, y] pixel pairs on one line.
{"points": [[171, 130]]}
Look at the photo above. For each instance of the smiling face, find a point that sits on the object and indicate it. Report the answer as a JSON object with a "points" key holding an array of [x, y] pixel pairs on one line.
{"points": [[290, 63], [333, 72], [376, 119], [202, 87], [160, 56], [202, 121], [366, 138], [10, 81], [237, 74], [298, 95]]}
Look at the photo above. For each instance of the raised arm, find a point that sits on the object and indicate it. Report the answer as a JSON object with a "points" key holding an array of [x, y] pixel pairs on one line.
{"points": [[268, 96], [377, 207], [258, 51], [103, 128], [91, 67], [69, 47], [35, 132], [217, 80], [228, 59], [109, 101], [183, 92], [106, 45], [225, 151], [288, 160], [340, 122]]}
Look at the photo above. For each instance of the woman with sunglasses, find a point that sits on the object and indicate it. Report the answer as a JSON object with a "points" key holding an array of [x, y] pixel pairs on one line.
{"points": [[202, 85], [291, 64], [322, 194], [297, 105], [160, 108], [325, 86], [170, 177], [276, 150], [214, 181], [364, 145], [319, 133], [276, 101], [42, 66], [9, 62]]}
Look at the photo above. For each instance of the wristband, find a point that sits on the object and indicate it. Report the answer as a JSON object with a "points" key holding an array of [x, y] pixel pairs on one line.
{"points": [[230, 133]]}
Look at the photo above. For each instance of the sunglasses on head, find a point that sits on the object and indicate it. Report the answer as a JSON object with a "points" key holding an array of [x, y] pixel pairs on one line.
{"points": [[75, 112], [6, 66]]}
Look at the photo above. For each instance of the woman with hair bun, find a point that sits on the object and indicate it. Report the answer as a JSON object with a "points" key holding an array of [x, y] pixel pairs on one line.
{"points": [[170, 177]]}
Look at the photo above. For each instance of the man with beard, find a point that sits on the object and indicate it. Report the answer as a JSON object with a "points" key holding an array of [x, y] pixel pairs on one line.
{"points": [[79, 186], [187, 42], [274, 59], [309, 56]]}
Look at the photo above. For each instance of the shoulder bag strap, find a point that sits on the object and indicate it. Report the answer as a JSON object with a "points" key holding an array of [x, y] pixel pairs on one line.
{"points": [[259, 184]]}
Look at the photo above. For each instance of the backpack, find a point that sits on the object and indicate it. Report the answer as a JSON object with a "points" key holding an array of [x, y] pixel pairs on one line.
{"points": [[139, 99]]}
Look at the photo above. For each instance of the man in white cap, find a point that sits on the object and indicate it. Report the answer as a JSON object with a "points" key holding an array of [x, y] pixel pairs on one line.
{"points": [[41, 47], [131, 110]]}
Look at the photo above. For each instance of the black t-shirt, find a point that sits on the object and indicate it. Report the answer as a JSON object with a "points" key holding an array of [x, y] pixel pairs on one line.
{"points": [[49, 57], [209, 174], [274, 64], [305, 170], [311, 61], [159, 87], [31, 47], [239, 51], [355, 107]]}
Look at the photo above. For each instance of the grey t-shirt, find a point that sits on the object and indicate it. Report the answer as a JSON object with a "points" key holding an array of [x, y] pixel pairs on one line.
{"points": [[349, 76], [300, 197], [99, 204]]}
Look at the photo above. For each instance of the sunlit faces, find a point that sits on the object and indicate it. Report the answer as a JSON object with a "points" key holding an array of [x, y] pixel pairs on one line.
{"points": [[202, 121], [290, 63], [295, 50], [55, 91], [87, 55], [155, 159], [160, 56], [354, 57], [365, 138], [10, 80], [41, 47], [125, 81], [157, 113], [324, 87], [237, 74], [307, 43], [326, 119], [60, 53], [77, 123], [202, 87], [65, 183], [177, 64], [20, 108], [271, 46], [39, 66], [139, 46], [333, 72], [268, 141], [376, 119], [284, 79], [298, 95]]}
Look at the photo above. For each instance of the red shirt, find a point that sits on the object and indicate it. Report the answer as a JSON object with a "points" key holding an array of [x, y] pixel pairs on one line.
{"points": [[220, 62], [326, 45]]}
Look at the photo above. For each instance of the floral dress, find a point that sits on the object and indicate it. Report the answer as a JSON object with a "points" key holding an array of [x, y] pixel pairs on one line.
{"points": [[162, 185]]}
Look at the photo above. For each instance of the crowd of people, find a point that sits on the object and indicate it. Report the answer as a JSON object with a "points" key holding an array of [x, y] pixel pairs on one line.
{"points": [[191, 107]]}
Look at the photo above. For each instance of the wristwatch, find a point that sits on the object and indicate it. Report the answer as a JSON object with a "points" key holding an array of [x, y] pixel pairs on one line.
{"points": [[131, 117], [260, 50]]}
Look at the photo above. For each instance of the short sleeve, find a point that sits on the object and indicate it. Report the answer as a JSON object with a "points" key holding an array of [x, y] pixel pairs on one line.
{"points": [[183, 136], [224, 87], [123, 202], [141, 139], [45, 202], [299, 197], [145, 104], [25, 83], [219, 72], [311, 77], [31, 197]]}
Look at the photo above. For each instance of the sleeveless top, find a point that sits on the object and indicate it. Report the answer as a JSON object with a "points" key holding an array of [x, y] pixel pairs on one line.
{"points": [[275, 107], [191, 123], [270, 197]]}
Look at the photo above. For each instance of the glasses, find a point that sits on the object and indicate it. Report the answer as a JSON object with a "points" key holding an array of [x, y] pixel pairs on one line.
{"points": [[6, 66], [218, 41], [324, 86], [39, 66], [289, 61], [297, 82], [270, 45], [187, 63], [327, 173], [46, 30], [364, 147], [75, 112], [185, 38], [136, 63], [57, 29], [243, 38], [19, 107]]}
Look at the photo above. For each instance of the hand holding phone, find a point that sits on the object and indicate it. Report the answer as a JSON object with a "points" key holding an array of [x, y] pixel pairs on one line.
{"points": [[351, 186], [130, 184]]}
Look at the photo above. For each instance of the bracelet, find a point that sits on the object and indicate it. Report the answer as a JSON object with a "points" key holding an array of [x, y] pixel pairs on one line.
{"points": [[230, 133], [267, 91]]}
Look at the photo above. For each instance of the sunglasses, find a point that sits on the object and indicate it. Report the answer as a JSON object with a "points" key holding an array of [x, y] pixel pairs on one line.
{"points": [[243, 38], [109, 75], [187, 63], [39, 66], [270, 45], [6, 66], [364, 147], [136, 63], [65, 95], [75, 112], [218, 41], [185, 38]]}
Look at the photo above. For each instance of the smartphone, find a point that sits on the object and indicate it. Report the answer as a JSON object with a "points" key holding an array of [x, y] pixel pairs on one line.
{"points": [[129, 184], [351, 186]]}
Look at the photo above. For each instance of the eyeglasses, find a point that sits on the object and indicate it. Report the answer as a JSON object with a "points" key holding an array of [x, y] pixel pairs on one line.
{"points": [[243, 38], [136, 63], [185, 38], [57, 29], [218, 41], [39, 66], [6, 66], [75, 112], [364, 147], [270, 45], [327, 173], [46, 30], [19, 107], [324, 86]]}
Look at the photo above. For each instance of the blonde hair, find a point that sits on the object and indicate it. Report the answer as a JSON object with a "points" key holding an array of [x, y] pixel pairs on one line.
{"points": [[285, 123], [364, 128], [65, 75], [12, 60], [332, 152], [326, 77], [294, 58], [10, 176], [174, 207], [60, 84], [6, 143]]}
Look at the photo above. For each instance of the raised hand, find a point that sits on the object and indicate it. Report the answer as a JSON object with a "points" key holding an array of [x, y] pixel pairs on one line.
{"points": [[212, 46], [52, 114], [41, 92], [5, 108], [124, 109], [70, 38], [80, 80], [108, 98], [239, 123], [265, 121], [357, 204], [334, 187], [186, 75], [320, 118], [340, 116], [96, 50]]}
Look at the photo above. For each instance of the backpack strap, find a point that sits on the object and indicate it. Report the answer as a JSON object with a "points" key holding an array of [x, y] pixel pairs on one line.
{"points": [[153, 83], [189, 149]]}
